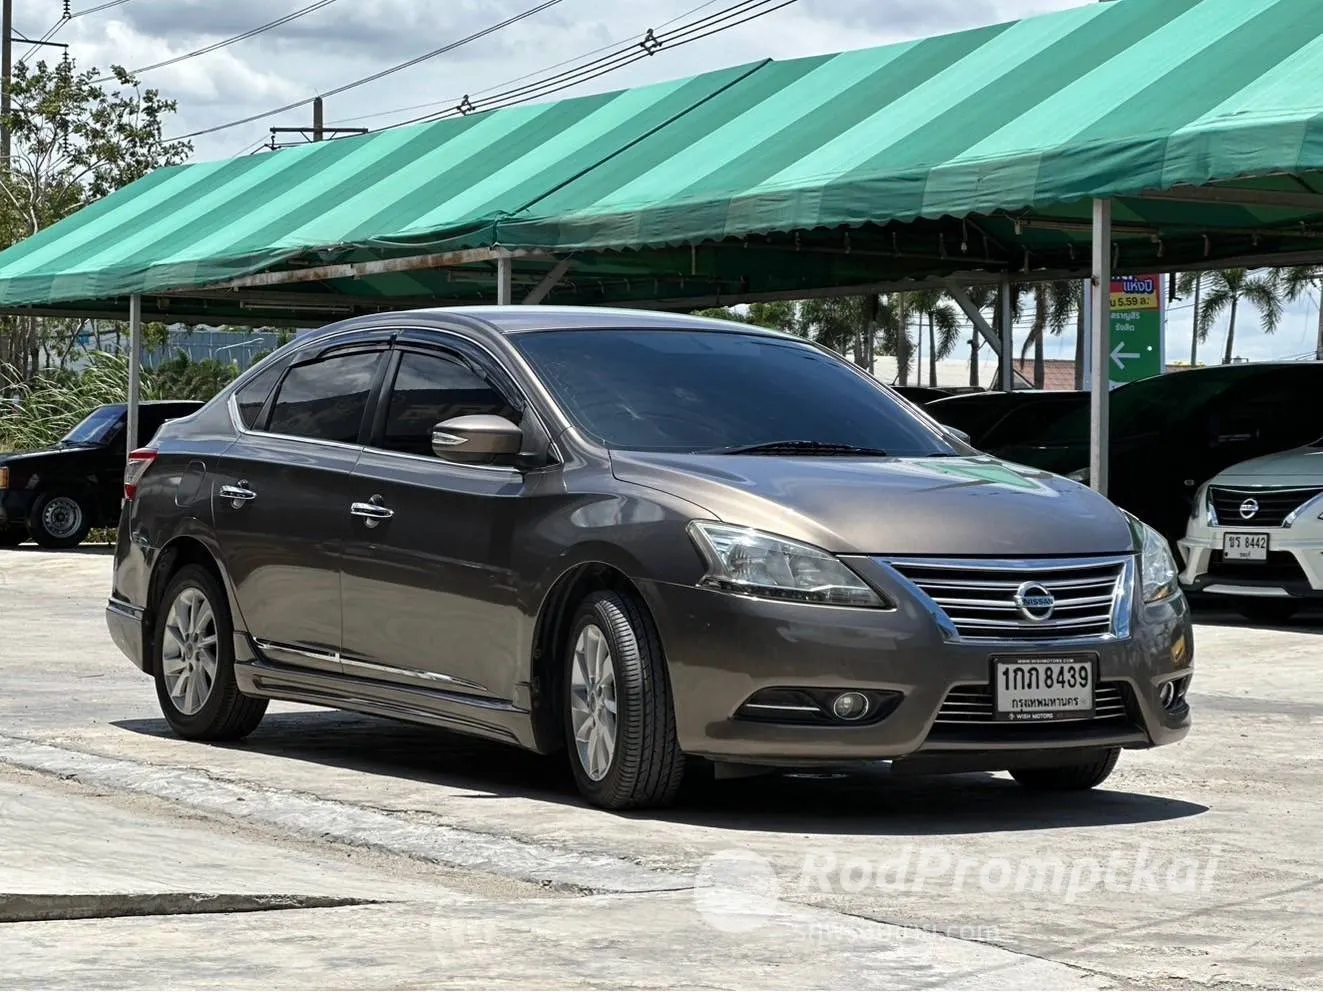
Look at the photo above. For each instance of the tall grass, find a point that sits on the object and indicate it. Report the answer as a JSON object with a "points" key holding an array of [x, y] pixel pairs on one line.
{"points": [[40, 411]]}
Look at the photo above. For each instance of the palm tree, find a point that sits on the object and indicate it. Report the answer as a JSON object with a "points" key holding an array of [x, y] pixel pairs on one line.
{"points": [[1226, 289], [943, 319], [1193, 282], [1297, 281], [984, 297], [1054, 302]]}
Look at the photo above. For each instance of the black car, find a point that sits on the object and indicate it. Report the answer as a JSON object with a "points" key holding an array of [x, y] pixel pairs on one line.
{"points": [[921, 394], [646, 540], [1173, 432], [997, 418], [56, 495]]}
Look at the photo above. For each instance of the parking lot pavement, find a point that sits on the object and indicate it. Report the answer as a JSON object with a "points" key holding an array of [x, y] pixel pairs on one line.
{"points": [[1195, 866]]}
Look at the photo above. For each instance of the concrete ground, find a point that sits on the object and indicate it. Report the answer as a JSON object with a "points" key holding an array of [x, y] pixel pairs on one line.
{"points": [[337, 851]]}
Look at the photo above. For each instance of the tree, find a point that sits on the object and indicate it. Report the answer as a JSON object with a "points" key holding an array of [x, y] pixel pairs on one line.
{"points": [[842, 323], [984, 297], [1054, 303], [73, 141], [943, 319], [1192, 283], [1297, 281], [1226, 289]]}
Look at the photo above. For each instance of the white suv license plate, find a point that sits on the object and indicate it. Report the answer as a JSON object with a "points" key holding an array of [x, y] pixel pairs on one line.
{"points": [[1245, 547], [1043, 689]]}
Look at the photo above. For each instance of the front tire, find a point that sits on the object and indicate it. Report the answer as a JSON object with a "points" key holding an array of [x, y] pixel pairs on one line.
{"points": [[193, 658], [59, 520], [1268, 612], [619, 716], [1069, 778]]}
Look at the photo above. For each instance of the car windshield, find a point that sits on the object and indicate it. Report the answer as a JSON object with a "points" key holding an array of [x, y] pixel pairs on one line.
{"points": [[97, 427], [1144, 407], [695, 390]]}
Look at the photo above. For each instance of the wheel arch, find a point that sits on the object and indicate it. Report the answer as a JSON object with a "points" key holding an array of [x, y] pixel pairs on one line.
{"points": [[180, 551], [595, 573]]}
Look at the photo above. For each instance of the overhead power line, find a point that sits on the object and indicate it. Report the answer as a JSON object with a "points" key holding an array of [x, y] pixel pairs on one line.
{"points": [[409, 63], [226, 42], [98, 7], [630, 40], [653, 42]]}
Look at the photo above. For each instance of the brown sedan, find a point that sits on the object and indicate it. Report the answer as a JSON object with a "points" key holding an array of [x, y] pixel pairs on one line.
{"points": [[645, 540]]}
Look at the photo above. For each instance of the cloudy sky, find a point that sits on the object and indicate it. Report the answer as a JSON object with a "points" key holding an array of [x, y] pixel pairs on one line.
{"points": [[345, 40]]}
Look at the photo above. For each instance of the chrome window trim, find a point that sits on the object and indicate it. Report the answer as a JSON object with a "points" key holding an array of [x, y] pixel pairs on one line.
{"points": [[338, 658], [1123, 594]]}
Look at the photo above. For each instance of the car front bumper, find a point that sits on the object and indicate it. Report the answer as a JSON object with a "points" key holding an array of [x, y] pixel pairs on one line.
{"points": [[1293, 568], [723, 648], [15, 505]]}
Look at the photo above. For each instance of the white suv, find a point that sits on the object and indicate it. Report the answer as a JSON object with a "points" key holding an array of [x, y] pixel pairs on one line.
{"points": [[1256, 534]]}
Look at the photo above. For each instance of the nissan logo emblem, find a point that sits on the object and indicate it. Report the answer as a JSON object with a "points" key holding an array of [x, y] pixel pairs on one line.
{"points": [[1249, 508], [1034, 602]]}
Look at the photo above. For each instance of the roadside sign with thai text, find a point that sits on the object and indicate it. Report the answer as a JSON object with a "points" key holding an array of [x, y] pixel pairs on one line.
{"points": [[1135, 344]]}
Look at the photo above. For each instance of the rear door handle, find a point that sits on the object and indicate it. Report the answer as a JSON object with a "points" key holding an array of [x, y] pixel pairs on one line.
{"points": [[237, 495], [372, 512]]}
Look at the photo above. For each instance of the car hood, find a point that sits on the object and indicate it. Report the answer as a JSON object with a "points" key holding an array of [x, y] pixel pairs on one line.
{"points": [[1299, 466], [972, 506], [24, 457]]}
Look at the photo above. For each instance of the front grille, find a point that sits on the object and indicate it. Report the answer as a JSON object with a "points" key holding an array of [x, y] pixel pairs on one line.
{"points": [[967, 704], [1280, 566], [980, 597], [1270, 506]]}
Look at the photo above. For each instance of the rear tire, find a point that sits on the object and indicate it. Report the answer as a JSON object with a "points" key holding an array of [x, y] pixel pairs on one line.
{"points": [[1267, 611], [193, 661], [1068, 778], [59, 520], [619, 716]]}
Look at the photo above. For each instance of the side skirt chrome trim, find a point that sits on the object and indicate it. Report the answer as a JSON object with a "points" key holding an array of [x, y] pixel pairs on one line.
{"points": [[370, 668]]}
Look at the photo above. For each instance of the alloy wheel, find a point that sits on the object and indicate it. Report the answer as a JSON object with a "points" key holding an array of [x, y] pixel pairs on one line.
{"points": [[593, 714], [189, 651]]}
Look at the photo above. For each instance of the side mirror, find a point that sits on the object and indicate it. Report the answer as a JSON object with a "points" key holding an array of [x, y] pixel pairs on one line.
{"points": [[476, 439]]}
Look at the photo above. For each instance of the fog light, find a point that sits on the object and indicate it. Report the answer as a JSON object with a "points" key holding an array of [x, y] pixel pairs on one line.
{"points": [[1167, 694], [850, 706]]}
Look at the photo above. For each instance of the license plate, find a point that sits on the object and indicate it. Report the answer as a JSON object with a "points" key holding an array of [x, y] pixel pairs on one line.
{"points": [[1245, 547], [1037, 689]]}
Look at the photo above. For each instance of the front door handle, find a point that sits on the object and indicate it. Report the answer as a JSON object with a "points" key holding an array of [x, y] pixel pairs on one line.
{"points": [[372, 511], [238, 495]]}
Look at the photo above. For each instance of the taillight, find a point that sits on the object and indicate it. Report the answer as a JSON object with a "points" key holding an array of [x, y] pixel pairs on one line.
{"points": [[4, 478], [139, 462]]}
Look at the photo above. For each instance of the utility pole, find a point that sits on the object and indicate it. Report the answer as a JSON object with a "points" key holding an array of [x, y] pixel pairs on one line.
{"points": [[6, 71], [317, 132]]}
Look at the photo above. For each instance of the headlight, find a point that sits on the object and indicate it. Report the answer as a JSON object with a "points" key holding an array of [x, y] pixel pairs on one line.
{"points": [[1157, 567], [1079, 475], [757, 564]]}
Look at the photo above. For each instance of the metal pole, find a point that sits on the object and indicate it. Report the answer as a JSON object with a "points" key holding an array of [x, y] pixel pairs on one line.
{"points": [[504, 280], [1100, 338], [135, 371], [1007, 335], [317, 119], [7, 71]]}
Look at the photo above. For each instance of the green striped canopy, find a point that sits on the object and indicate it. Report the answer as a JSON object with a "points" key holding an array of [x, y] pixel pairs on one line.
{"points": [[1202, 119]]}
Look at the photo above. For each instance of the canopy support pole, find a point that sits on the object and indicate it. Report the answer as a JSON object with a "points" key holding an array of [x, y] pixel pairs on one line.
{"points": [[1100, 337], [539, 292], [1007, 334], [135, 373], [504, 280]]}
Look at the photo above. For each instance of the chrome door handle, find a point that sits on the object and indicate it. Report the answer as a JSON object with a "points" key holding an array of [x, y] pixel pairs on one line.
{"points": [[372, 512], [237, 495]]}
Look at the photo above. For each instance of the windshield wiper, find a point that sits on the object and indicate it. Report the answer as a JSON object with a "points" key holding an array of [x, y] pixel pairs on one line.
{"points": [[796, 448]]}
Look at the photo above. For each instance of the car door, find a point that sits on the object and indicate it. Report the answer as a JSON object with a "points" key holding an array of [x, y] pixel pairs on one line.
{"points": [[429, 597], [281, 494]]}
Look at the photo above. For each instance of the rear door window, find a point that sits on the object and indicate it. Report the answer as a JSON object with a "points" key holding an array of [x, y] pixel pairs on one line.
{"points": [[325, 399]]}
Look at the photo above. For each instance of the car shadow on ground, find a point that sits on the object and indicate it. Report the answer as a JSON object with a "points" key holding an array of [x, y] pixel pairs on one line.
{"points": [[1208, 614], [859, 801]]}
